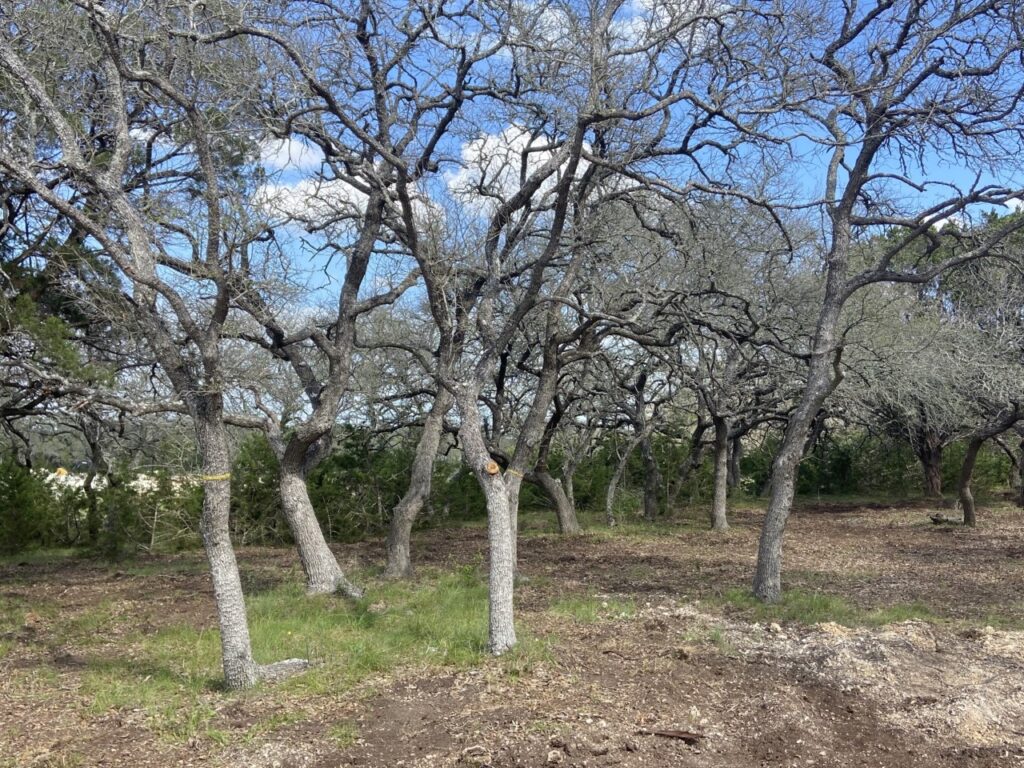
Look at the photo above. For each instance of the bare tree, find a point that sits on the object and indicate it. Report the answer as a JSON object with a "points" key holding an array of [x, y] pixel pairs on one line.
{"points": [[140, 209], [879, 88]]}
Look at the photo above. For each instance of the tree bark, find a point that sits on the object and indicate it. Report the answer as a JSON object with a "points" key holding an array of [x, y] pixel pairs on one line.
{"points": [[501, 631], [1020, 475], [399, 559], [996, 427], [964, 485], [929, 453], [323, 573], [693, 461], [240, 669], [823, 376], [652, 479], [719, 522], [735, 457], [564, 509], [613, 483]]}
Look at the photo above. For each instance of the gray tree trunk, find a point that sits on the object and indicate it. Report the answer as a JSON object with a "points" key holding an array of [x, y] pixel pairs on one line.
{"points": [[501, 631], [323, 573], [964, 484], [823, 376], [399, 558], [652, 479], [240, 669], [692, 463], [1020, 475], [735, 457], [719, 522], [564, 509], [613, 483]]}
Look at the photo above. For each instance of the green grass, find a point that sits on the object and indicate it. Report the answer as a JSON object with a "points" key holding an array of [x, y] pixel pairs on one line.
{"points": [[343, 734], [816, 607], [588, 609], [438, 621]]}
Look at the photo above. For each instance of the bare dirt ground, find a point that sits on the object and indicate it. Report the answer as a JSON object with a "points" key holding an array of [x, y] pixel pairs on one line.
{"points": [[689, 664]]}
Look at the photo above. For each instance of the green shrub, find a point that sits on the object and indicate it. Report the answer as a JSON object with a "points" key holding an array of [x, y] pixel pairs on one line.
{"points": [[27, 511]]}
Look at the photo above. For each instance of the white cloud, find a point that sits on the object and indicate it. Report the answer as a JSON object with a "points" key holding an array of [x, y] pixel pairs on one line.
{"points": [[289, 155], [494, 165], [310, 201], [313, 202]]}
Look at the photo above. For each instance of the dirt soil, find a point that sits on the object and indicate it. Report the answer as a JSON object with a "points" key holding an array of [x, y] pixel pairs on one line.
{"points": [[686, 680]]}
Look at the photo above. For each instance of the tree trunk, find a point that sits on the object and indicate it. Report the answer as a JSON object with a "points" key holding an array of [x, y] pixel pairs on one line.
{"points": [[323, 574], [692, 463], [721, 490], [399, 563], [964, 485], [823, 376], [569, 487], [240, 669], [501, 577], [735, 457], [929, 452], [567, 522], [613, 483], [652, 479]]}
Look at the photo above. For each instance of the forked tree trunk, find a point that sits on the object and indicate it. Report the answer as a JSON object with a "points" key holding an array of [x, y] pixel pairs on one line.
{"points": [[323, 573], [719, 522], [964, 485], [694, 458], [566, 512], [399, 562]]}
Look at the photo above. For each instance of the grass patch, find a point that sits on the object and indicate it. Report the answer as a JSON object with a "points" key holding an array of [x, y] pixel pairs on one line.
{"points": [[816, 607], [588, 609], [173, 675], [343, 734]]}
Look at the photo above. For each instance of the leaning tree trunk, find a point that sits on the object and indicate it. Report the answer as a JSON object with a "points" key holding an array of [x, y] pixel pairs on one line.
{"points": [[652, 479], [929, 453], [964, 484], [564, 509], [399, 564], [323, 573], [721, 485], [823, 376]]}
